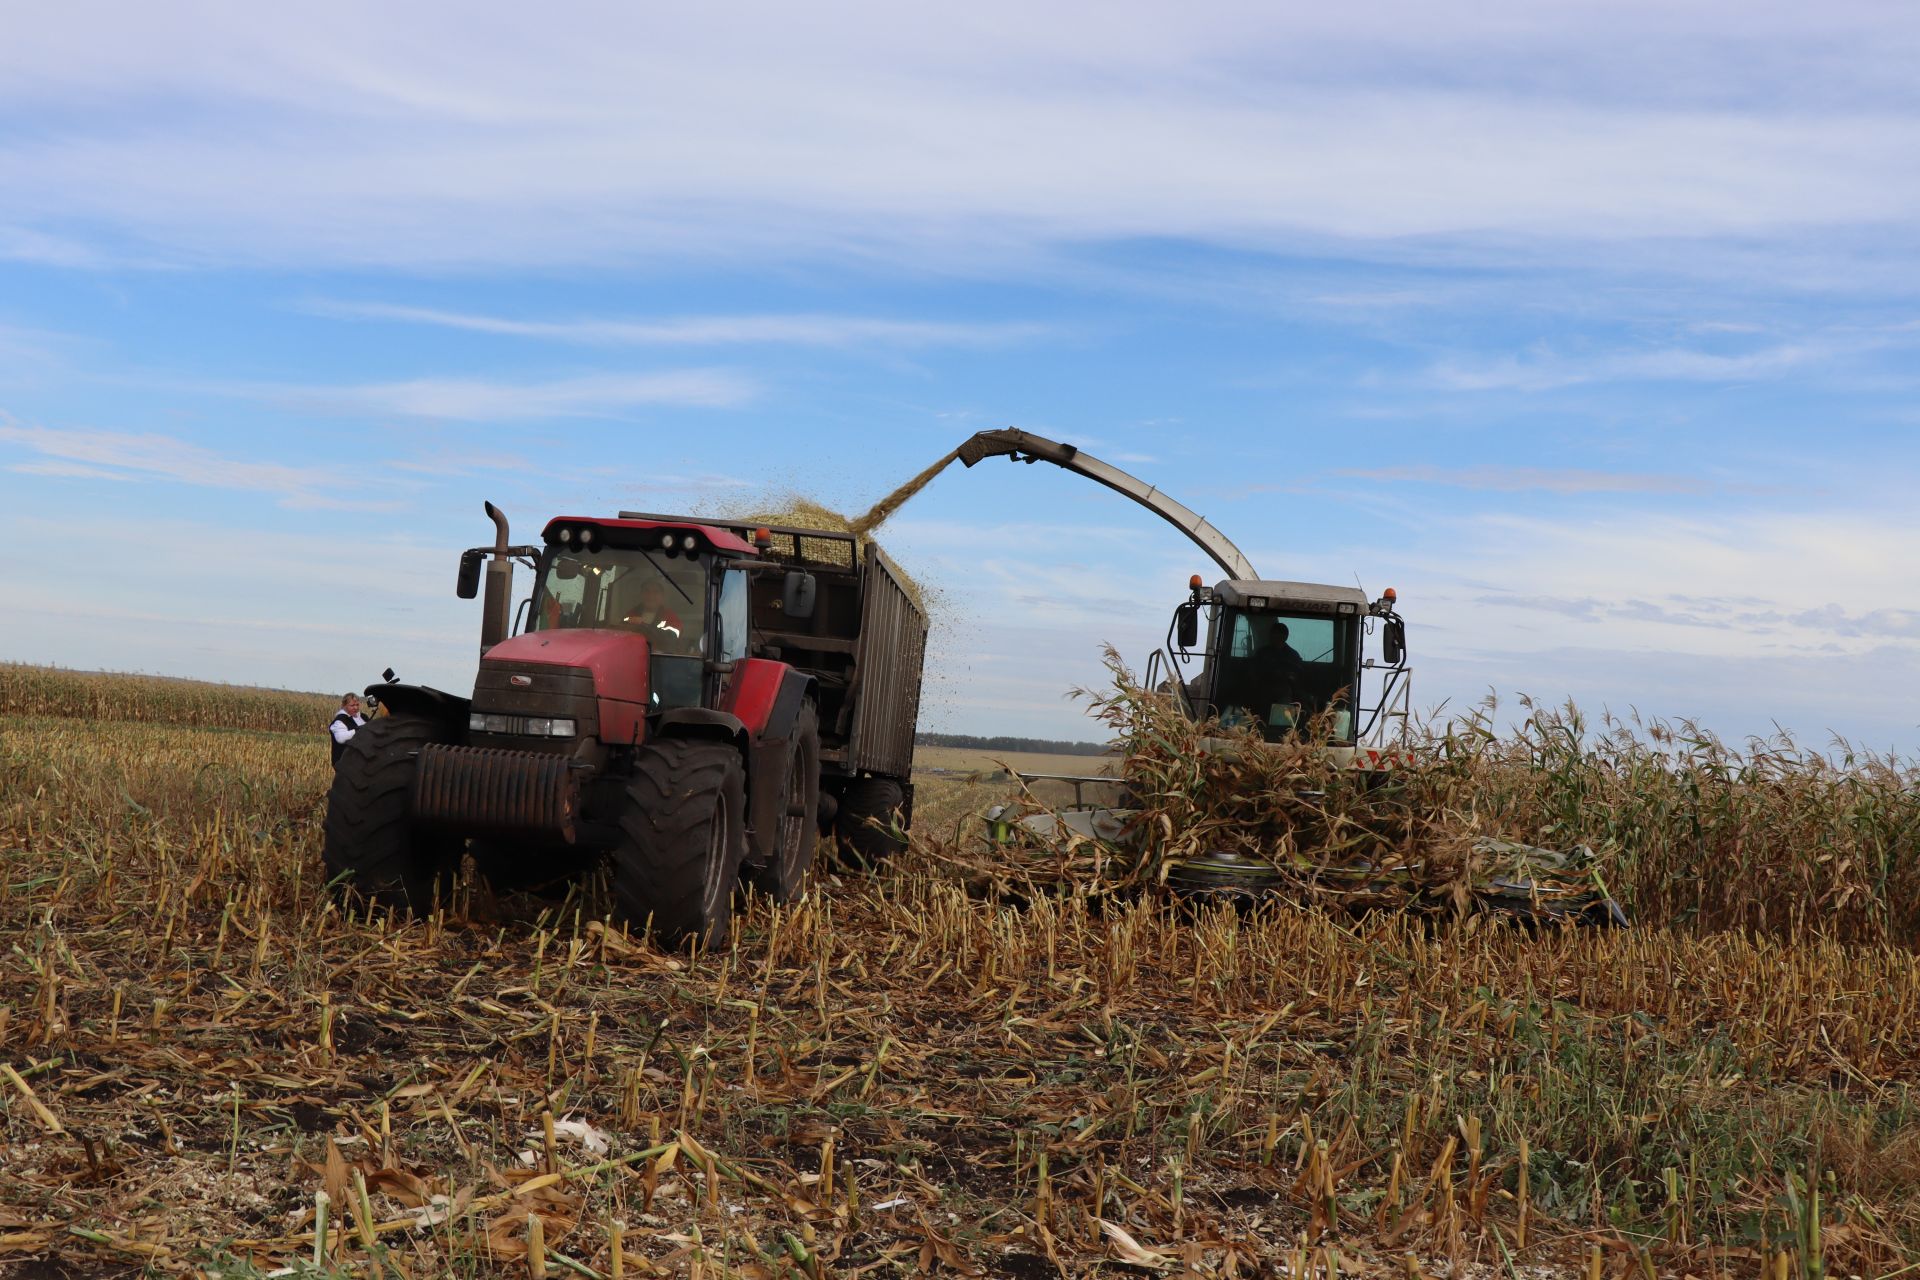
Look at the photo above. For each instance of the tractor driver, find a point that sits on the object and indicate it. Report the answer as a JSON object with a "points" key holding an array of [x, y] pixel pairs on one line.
{"points": [[652, 616]]}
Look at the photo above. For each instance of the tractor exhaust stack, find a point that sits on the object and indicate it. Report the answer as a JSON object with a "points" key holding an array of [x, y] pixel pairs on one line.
{"points": [[497, 617]]}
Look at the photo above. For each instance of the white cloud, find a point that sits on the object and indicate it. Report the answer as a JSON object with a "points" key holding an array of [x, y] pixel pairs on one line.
{"points": [[69, 471], [787, 330], [81, 453], [1523, 479], [1547, 371], [463, 136], [488, 400], [1788, 612]]}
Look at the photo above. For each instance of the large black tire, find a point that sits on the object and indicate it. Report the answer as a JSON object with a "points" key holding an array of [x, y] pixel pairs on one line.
{"points": [[798, 828], [871, 825], [683, 835], [373, 851]]}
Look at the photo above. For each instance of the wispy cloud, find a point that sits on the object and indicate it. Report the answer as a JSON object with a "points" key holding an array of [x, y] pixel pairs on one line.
{"points": [[490, 400], [70, 453], [802, 330], [1548, 371], [1498, 479], [934, 140]]}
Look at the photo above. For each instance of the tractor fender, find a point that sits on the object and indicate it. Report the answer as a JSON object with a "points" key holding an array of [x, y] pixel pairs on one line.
{"points": [[700, 722], [446, 709]]}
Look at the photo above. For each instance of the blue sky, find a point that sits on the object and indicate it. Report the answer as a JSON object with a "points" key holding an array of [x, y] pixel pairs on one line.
{"points": [[1592, 329]]}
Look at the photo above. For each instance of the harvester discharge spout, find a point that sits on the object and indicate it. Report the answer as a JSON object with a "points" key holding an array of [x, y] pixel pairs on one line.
{"points": [[1024, 446]]}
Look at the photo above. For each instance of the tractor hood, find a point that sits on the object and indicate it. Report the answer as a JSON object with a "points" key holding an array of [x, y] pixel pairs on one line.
{"points": [[575, 647], [617, 660]]}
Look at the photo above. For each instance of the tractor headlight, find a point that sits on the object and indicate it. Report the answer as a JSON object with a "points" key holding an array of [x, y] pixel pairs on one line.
{"points": [[524, 726]]}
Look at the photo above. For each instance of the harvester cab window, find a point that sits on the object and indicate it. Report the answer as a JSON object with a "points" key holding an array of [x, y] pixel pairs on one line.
{"points": [[1279, 671]]}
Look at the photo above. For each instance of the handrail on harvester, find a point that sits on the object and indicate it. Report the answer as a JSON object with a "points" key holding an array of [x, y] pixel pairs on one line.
{"points": [[1024, 446]]}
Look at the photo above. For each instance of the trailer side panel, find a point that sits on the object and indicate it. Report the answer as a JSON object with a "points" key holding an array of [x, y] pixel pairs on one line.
{"points": [[888, 661]]}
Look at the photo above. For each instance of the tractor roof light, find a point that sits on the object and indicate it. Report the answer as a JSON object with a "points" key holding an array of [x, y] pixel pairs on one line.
{"points": [[566, 537], [1390, 595], [666, 540], [689, 542], [1193, 583], [763, 537], [586, 536]]}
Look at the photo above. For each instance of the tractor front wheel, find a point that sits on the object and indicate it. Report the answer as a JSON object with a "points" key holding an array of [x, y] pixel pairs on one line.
{"points": [[373, 851], [682, 839]]}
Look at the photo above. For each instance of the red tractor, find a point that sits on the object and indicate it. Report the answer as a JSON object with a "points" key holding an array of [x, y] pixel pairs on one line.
{"points": [[686, 702]]}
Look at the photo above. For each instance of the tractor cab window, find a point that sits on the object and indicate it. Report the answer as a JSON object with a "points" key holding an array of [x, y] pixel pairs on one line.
{"points": [[622, 589], [731, 617], [1280, 670]]}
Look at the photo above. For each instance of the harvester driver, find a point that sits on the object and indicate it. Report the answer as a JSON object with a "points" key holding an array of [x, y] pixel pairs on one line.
{"points": [[652, 616]]}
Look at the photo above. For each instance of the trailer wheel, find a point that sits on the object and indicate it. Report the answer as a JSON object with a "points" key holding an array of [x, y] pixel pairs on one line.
{"points": [[871, 825], [798, 830], [372, 850], [682, 838]]}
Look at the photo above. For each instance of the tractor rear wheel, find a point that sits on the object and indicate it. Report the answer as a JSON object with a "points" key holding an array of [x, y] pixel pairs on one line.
{"points": [[798, 826], [871, 824], [682, 838], [373, 851]]}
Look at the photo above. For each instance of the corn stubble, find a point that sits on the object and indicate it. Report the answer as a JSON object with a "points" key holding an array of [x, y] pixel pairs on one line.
{"points": [[209, 1066]]}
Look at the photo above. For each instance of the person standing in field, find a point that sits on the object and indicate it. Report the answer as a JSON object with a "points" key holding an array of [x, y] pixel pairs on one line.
{"points": [[345, 721]]}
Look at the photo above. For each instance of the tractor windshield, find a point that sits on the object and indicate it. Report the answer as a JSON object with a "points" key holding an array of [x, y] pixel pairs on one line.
{"points": [[626, 589], [1280, 670]]}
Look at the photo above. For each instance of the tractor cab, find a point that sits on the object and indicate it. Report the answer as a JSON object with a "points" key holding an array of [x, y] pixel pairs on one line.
{"points": [[1288, 658], [681, 587]]}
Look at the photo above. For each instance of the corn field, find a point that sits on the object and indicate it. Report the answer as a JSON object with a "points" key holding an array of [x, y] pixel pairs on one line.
{"points": [[205, 1066]]}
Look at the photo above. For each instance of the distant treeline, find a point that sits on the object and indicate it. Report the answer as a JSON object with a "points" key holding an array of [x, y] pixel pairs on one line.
{"points": [[1045, 746]]}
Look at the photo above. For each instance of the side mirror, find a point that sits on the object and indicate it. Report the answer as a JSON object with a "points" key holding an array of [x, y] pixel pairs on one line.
{"points": [[1393, 642], [797, 595], [469, 585], [521, 614], [1187, 626]]}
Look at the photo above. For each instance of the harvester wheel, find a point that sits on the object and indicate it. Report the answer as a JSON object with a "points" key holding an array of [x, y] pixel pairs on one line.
{"points": [[373, 851], [798, 829], [871, 825], [682, 837]]}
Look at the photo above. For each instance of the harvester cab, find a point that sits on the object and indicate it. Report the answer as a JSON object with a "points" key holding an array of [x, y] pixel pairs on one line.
{"points": [[1286, 657], [1290, 660], [632, 713]]}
